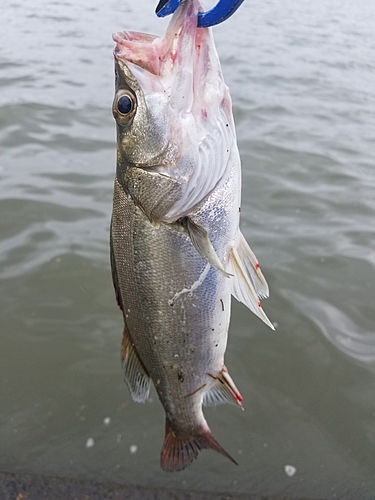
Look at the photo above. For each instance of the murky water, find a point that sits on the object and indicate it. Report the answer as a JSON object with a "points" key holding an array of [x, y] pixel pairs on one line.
{"points": [[302, 77]]}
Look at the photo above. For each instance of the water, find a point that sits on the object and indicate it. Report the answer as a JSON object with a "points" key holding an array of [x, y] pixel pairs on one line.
{"points": [[303, 84]]}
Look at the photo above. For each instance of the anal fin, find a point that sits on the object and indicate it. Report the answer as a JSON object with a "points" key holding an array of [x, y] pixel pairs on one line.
{"points": [[135, 374], [222, 390]]}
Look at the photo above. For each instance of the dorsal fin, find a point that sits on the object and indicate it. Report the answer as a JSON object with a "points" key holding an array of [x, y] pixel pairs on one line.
{"points": [[135, 374], [114, 272]]}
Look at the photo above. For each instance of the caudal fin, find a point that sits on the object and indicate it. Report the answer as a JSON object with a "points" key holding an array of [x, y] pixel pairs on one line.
{"points": [[179, 450]]}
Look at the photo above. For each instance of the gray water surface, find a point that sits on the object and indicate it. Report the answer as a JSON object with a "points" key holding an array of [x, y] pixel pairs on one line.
{"points": [[302, 79]]}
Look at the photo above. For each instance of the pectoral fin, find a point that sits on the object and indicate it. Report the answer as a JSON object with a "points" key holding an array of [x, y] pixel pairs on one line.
{"points": [[135, 374], [201, 242], [248, 283]]}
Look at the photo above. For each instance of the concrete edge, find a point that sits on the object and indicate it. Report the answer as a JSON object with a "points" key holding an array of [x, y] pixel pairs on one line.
{"points": [[32, 487]]}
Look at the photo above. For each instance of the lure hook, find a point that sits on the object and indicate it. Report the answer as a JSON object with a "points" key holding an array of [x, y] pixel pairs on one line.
{"points": [[221, 12]]}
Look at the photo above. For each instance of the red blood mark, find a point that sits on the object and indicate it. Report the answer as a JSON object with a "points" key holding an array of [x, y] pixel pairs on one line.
{"points": [[239, 397], [259, 304], [173, 57], [257, 265]]}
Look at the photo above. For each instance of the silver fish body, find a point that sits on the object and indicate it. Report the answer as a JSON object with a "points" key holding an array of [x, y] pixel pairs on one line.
{"points": [[177, 253]]}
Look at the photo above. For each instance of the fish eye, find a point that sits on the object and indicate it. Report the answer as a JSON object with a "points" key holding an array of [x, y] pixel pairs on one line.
{"points": [[125, 105]]}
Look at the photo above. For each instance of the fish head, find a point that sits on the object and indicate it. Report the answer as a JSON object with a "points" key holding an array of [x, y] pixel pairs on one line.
{"points": [[172, 107], [141, 117]]}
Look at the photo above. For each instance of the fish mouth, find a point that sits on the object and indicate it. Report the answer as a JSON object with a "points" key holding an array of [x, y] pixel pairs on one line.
{"points": [[157, 55], [137, 48]]}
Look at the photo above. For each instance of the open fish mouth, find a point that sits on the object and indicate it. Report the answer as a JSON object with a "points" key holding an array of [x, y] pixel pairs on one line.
{"points": [[157, 55]]}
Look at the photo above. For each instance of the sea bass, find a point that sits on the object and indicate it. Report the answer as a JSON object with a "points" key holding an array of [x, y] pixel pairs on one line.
{"points": [[177, 253]]}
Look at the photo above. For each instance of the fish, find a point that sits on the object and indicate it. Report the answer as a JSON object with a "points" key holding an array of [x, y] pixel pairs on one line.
{"points": [[177, 253]]}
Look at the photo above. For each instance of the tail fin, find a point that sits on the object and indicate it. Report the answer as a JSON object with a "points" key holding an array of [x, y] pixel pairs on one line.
{"points": [[179, 450]]}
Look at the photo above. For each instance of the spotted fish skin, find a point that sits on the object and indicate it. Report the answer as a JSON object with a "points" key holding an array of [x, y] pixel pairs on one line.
{"points": [[177, 253]]}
